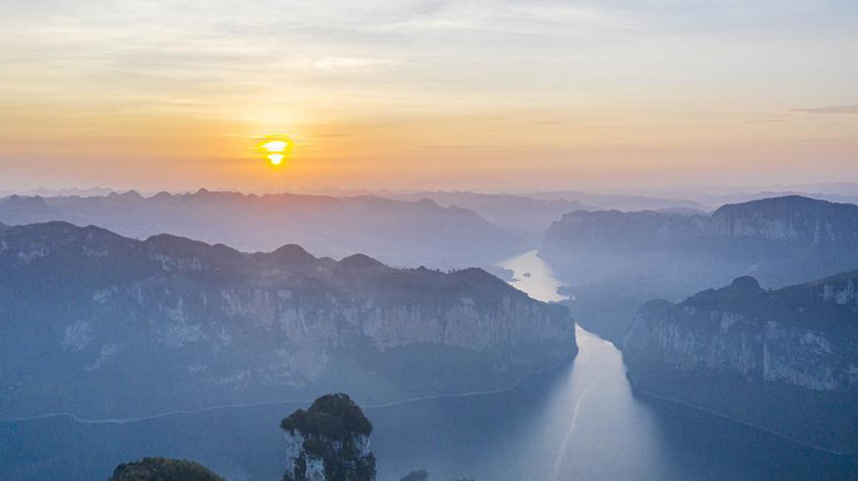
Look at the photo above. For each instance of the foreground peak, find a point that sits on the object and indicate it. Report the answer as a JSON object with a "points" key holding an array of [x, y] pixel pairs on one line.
{"points": [[329, 441]]}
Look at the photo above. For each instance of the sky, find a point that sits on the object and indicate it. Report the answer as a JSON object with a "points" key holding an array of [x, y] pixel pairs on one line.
{"points": [[470, 94]]}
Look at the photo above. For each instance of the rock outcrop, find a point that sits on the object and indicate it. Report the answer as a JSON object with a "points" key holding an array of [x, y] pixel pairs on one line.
{"points": [[101, 325], [784, 360], [329, 442]]}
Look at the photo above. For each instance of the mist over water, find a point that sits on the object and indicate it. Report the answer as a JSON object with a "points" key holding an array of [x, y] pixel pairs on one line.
{"points": [[580, 421]]}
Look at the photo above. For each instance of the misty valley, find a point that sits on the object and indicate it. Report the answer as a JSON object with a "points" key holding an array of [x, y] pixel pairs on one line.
{"points": [[432, 335], [428, 240]]}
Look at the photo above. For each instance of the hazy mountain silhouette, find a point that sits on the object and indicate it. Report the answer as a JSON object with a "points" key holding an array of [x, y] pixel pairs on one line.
{"points": [[613, 261], [395, 231]]}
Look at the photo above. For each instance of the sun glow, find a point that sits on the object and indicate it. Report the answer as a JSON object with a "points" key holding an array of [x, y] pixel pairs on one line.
{"points": [[275, 148]]}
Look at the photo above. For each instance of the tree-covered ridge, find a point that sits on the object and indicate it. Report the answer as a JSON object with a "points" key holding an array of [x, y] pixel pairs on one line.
{"points": [[333, 416], [163, 469]]}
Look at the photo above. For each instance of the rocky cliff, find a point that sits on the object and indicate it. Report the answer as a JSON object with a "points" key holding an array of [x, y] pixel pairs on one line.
{"points": [[784, 360], [329, 442], [101, 325], [790, 218], [641, 255], [752, 237]]}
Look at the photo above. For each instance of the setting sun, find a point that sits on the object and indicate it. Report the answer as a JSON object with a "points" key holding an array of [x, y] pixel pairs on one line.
{"points": [[275, 148]]}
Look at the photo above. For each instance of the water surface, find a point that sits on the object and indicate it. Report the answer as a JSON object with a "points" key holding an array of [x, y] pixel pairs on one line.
{"points": [[577, 422]]}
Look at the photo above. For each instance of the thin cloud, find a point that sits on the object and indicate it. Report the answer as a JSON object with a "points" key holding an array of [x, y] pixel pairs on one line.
{"points": [[836, 109], [333, 64]]}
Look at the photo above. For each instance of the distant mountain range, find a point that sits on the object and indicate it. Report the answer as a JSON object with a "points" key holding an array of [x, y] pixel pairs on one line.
{"points": [[624, 202], [784, 360], [613, 261], [524, 216], [818, 238], [101, 325], [397, 232]]}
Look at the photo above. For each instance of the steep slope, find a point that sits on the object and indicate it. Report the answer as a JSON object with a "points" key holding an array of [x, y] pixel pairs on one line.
{"points": [[752, 237], [329, 441], [641, 255], [101, 325], [396, 231], [784, 360]]}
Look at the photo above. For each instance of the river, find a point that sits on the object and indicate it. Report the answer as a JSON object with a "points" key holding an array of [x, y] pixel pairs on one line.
{"points": [[576, 422]]}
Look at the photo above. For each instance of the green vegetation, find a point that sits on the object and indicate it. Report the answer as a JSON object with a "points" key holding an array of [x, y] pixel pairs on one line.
{"points": [[332, 416], [162, 469], [331, 427]]}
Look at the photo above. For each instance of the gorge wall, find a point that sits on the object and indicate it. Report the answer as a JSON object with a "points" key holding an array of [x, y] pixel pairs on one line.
{"points": [[784, 360], [100, 325]]}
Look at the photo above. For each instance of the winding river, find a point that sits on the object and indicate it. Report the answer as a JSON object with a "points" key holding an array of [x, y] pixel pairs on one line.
{"points": [[576, 422]]}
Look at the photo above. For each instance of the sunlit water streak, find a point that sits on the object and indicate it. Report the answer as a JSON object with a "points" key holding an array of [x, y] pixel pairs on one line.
{"points": [[561, 454], [576, 422], [533, 276]]}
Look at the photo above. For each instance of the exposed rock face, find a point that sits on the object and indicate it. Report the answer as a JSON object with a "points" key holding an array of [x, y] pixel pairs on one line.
{"points": [[329, 442], [642, 255], [101, 325], [784, 360], [791, 218], [737, 239]]}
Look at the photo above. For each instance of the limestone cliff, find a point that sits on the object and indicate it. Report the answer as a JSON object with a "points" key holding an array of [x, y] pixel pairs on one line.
{"points": [[142, 327], [637, 256], [791, 218], [784, 360], [329, 442]]}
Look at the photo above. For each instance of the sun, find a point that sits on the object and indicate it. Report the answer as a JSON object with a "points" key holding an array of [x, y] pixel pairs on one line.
{"points": [[276, 148]]}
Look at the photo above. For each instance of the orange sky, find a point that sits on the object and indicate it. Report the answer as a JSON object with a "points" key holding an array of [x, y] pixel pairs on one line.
{"points": [[506, 95]]}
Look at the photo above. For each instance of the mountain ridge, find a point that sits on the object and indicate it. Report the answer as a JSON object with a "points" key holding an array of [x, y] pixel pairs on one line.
{"points": [[763, 357], [398, 232], [107, 318]]}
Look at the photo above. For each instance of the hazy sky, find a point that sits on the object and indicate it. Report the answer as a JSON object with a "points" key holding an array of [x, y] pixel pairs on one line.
{"points": [[490, 95]]}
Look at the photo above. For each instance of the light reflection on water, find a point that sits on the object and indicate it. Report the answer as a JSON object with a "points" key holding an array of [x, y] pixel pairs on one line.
{"points": [[533, 276], [580, 421]]}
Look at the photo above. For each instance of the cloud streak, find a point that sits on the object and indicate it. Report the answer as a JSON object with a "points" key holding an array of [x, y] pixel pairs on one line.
{"points": [[836, 109]]}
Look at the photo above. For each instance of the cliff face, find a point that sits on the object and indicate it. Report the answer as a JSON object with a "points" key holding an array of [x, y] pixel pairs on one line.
{"points": [[329, 442], [193, 325], [644, 255], [737, 239], [784, 360], [791, 218]]}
